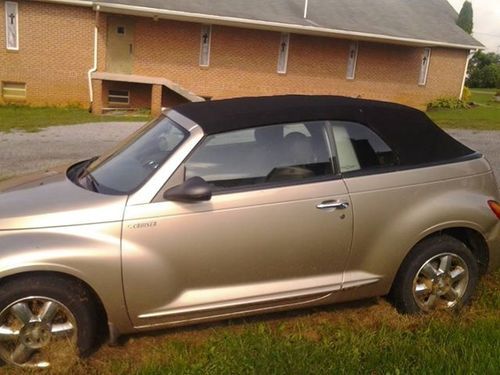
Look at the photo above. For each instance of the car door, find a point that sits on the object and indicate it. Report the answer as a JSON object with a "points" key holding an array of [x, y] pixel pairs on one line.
{"points": [[277, 229], [365, 161]]}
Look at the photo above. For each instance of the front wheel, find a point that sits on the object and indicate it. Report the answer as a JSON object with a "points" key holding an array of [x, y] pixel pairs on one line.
{"points": [[440, 273], [45, 321]]}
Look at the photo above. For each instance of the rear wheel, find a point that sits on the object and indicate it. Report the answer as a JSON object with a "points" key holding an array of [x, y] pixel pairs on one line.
{"points": [[440, 273], [45, 321]]}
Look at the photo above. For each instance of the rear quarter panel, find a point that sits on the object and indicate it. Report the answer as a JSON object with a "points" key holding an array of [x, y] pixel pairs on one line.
{"points": [[394, 211]]}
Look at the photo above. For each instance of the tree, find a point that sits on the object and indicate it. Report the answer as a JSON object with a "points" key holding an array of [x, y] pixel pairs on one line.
{"points": [[465, 17], [484, 70]]}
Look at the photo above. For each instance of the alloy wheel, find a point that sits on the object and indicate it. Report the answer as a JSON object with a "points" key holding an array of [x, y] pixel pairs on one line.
{"points": [[441, 282], [35, 331]]}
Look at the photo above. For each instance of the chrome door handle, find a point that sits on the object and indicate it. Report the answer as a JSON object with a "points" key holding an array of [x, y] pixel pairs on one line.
{"points": [[333, 204]]}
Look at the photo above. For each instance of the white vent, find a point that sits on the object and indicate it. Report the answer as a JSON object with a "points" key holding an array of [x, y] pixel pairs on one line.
{"points": [[121, 97], [13, 90]]}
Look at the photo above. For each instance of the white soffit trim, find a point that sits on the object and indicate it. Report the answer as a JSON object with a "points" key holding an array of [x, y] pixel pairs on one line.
{"points": [[81, 3], [266, 25]]}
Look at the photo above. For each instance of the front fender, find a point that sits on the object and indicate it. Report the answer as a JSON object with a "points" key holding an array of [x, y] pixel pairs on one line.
{"points": [[90, 253]]}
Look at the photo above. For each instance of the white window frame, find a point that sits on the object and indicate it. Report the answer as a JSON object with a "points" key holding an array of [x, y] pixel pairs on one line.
{"points": [[352, 60], [425, 62], [205, 60], [283, 53], [7, 20]]}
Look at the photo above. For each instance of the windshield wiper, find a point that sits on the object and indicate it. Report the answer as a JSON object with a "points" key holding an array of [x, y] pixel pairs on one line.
{"points": [[91, 182]]}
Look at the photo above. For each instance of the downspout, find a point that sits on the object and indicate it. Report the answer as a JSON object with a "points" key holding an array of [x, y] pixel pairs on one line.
{"points": [[94, 66], [469, 56], [306, 6]]}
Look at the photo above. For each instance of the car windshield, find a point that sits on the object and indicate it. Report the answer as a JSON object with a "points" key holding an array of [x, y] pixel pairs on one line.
{"points": [[135, 160]]}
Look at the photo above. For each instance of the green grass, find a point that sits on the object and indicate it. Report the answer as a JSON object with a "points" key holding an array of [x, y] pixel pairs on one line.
{"points": [[483, 96], [485, 116], [32, 119], [369, 337]]}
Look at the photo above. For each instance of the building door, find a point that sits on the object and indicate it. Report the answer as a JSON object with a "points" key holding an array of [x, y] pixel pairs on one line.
{"points": [[120, 45]]}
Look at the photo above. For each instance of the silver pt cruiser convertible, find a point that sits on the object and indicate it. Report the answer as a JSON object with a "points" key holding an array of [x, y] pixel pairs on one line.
{"points": [[235, 207]]}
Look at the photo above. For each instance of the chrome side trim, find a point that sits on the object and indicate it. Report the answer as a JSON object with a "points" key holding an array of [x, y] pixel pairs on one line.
{"points": [[234, 304], [284, 296], [239, 313], [304, 293]]}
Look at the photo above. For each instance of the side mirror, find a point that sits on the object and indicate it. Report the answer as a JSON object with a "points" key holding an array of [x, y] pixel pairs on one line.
{"points": [[195, 189]]}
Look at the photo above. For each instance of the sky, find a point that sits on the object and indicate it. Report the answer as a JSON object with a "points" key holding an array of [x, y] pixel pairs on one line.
{"points": [[486, 21]]}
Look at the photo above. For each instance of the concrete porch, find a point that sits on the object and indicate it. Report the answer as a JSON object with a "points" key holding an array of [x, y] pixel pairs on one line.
{"points": [[127, 91]]}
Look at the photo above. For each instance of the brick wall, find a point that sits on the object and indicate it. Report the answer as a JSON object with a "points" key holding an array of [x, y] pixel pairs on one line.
{"points": [[55, 53], [446, 73], [243, 62]]}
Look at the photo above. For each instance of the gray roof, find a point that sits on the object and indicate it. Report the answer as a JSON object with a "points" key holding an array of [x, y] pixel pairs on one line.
{"points": [[429, 22]]}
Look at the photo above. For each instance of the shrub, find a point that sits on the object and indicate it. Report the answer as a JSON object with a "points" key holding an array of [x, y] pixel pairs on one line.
{"points": [[466, 95], [448, 103]]}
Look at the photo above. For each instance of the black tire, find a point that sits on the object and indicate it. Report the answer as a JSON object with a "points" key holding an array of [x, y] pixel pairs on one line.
{"points": [[402, 291], [70, 293]]}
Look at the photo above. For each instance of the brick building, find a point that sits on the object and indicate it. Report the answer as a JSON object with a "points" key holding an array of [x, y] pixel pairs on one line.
{"points": [[154, 53]]}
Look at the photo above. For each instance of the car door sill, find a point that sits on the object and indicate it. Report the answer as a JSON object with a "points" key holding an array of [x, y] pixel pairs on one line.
{"points": [[233, 308], [241, 303], [238, 312]]}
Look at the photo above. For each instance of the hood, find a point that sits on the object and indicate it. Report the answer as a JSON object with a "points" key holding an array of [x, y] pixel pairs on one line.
{"points": [[50, 199]]}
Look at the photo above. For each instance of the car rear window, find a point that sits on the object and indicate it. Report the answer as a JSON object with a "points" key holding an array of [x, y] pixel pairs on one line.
{"points": [[359, 148]]}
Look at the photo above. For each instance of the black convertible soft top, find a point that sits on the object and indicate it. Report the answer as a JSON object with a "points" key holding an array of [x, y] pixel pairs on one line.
{"points": [[408, 131]]}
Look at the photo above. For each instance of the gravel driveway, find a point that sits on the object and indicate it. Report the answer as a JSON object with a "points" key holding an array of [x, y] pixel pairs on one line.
{"points": [[27, 152], [486, 142], [22, 152]]}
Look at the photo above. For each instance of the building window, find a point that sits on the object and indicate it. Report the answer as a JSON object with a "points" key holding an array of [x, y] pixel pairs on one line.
{"points": [[352, 60], [13, 90], [12, 25], [120, 30], [283, 53], [424, 66], [206, 38], [121, 97]]}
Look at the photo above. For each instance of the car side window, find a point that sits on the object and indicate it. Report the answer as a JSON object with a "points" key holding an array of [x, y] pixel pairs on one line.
{"points": [[270, 155], [359, 148]]}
